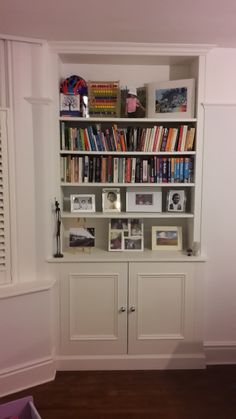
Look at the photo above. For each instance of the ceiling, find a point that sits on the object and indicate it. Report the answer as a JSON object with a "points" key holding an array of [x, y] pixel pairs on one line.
{"points": [[154, 21]]}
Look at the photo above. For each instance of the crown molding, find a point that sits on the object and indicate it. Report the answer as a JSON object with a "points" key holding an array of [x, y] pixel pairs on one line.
{"points": [[5, 37], [129, 48]]}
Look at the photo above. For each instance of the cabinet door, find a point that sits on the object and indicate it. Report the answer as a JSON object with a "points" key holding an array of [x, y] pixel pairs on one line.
{"points": [[162, 311], [94, 309]]}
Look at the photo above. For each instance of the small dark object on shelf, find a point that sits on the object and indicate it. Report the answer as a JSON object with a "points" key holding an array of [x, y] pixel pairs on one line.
{"points": [[58, 253], [189, 252]]}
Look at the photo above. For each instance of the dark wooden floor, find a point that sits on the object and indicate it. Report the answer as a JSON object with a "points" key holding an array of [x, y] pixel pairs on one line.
{"points": [[188, 394]]}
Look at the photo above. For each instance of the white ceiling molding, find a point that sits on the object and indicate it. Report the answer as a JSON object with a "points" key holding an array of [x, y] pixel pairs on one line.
{"points": [[129, 48]]}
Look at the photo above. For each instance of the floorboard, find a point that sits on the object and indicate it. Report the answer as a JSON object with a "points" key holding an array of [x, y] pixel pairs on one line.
{"points": [[175, 394]]}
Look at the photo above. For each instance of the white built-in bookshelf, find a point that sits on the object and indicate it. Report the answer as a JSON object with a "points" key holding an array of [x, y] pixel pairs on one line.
{"points": [[136, 69], [129, 307]]}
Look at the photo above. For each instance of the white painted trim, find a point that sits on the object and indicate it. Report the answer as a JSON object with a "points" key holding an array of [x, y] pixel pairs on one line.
{"points": [[12, 290], [218, 105], [220, 343], [21, 39], [25, 376], [12, 166], [220, 353], [130, 362], [129, 48], [38, 100]]}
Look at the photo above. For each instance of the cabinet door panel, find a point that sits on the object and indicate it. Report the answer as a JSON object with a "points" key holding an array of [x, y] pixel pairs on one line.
{"points": [[91, 309], [161, 297]]}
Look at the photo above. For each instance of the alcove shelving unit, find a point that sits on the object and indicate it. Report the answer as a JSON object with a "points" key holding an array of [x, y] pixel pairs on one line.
{"points": [[139, 308], [156, 218]]}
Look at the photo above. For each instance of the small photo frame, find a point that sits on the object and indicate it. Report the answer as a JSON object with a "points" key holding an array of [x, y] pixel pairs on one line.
{"points": [[136, 228], [166, 238], [119, 224], [115, 240], [69, 105], [133, 243], [138, 97], [111, 200], [82, 203], [176, 200], [125, 234], [82, 237], [171, 99], [143, 199]]}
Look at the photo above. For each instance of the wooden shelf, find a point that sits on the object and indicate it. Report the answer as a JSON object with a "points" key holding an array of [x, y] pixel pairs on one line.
{"points": [[155, 215], [111, 185], [128, 153], [103, 255], [131, 120]]}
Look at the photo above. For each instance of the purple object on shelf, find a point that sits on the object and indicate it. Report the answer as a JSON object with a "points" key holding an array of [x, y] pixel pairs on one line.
{"points": [[22, 408]]}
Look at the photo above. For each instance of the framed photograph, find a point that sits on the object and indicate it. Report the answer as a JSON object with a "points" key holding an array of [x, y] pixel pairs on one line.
{"points": [[125, 234], [166, 238], [111, 200], [136, 228], [119, 224], [135, 100], [176, 201], [133, 243], [82, 237], [69, 105], [143, 199], [115, 240], [171, 99], [82, 203]]}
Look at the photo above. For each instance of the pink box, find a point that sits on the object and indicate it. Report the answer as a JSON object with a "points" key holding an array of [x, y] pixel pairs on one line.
{"points": [[21, 409]]}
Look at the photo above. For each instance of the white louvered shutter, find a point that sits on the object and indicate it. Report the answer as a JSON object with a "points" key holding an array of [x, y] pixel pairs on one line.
{"points": [[4, 201]]}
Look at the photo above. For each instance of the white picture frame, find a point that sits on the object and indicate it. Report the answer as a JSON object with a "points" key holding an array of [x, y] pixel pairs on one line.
{"points": [[173, 99], [82, 237], [82, 203], [176, 200], [143, 199], [126, 235], [111, 201], [166, 238]]}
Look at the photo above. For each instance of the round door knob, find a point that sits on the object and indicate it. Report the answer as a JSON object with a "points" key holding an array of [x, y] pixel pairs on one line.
{"points": [[122, 309], [132, 309]]}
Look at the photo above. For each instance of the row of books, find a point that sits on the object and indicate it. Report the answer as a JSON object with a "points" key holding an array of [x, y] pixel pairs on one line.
{"points": [[100, 169], [155, 139]]}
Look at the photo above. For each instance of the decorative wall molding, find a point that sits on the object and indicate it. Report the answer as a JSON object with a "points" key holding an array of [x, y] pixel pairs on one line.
{"points": [[219, 353], [218, 105], [12, 290], [39, 100], [130, 362], [26, 375], [22, 39], [129, 48]]}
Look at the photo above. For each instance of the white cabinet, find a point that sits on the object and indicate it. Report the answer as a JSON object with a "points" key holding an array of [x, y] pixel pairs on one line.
{"points": [[161, 302], [94, 309], [130, 311]]}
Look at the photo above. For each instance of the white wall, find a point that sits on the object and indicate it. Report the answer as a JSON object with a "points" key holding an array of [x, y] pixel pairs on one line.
{"points": [[219, 200], [27, 327]]}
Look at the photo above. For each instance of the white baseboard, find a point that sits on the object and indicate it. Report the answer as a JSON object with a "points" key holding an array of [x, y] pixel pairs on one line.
{"points": [[154, 362], [28, 375], [218, 353]]}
